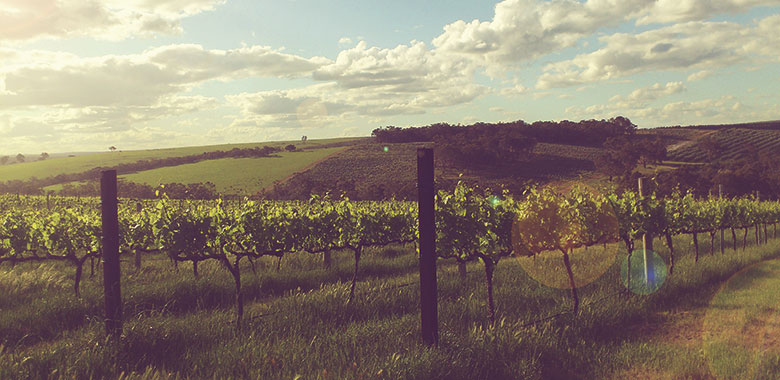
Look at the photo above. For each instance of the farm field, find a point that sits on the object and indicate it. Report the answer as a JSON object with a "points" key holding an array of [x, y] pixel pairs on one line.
{"points": [[236, 175], [81, 163], [299, 325]]}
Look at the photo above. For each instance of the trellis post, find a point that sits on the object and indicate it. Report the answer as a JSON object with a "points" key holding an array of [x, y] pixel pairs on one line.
{"points": [[110, 218], [426, 218], [720, 196]]}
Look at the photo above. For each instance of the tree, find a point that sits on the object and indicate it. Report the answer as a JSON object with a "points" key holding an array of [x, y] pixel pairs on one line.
{"points": [[20, 158], [43, 156], [4, 160], [112, 148], [651, 152], [290, 148]]}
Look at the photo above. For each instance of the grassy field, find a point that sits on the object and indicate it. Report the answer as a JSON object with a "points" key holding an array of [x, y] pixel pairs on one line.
{"points": [[731, 332], [298, 324], [81, 163], [236, 175]]}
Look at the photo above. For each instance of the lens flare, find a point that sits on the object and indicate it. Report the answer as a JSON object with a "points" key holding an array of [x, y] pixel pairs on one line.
{"points": [[639, 283]]}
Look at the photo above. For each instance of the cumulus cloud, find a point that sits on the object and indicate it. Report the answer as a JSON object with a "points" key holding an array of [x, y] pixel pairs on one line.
{"points": [[517, 89], [666, 11], [120, 94], [405, 68], [139, 79], [720, 110], [406, 79], [692, 45], [113, 20], [645, 95], [699, 75], [522, 30], [636, 103]]}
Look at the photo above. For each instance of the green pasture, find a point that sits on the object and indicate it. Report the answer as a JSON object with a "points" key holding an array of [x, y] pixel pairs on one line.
{"points": [[235, 175], [83, 162]]}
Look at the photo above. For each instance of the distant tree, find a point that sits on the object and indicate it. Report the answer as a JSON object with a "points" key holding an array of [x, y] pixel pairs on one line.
{"points": [[651, 151], [623, 124], [620, 158], [112, 148], [20, 158], [4, 160], [611, 165], [43, 156], [290, 148]]}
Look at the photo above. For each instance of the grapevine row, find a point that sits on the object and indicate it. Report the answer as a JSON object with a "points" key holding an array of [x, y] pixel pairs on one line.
{"points": [[470, 225]]}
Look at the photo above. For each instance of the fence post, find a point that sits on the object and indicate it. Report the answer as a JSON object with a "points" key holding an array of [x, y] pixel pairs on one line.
{"points": [[426, 218], [110, 218], [720, 196], [647, 246]]}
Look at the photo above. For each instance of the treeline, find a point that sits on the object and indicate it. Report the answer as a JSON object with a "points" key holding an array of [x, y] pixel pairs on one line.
{"points": [[771, 125], [34, 186], [585, 132]]}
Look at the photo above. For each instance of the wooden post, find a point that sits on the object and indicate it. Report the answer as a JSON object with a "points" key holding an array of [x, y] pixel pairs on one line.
{"points": [[758, 228], [426, 208], [647, 246], [113, 298], [720, 196]]}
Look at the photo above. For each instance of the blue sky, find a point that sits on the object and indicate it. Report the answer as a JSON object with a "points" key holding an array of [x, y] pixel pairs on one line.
{"points": [[138, 74]]}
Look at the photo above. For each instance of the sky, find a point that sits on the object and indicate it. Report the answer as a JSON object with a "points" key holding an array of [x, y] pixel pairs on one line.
{"points": [[83, 75]]}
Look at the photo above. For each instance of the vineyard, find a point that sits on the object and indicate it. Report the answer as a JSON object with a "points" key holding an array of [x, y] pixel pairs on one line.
{"points": [[732, 143], [566, 241]]}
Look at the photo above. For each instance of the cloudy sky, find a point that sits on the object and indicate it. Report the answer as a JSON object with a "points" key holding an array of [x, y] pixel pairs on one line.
{"points": [[80, 75]]}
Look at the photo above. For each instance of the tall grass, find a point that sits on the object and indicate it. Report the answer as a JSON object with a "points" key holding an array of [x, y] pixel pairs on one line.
{"points": [[298, 323]]}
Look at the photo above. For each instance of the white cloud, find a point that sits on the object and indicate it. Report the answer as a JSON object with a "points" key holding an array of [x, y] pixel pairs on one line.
{"points": [[692, 45], [74, 96], [364, 82], [522, 30], [515, 90], [636, 104], [139, 79], [648, 94], [699, 75], [666, 11], [112, 20], [721, 110]]}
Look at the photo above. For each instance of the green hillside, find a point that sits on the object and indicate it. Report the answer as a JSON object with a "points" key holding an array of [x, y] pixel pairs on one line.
{"points": [[87, 161], [235, 175]]}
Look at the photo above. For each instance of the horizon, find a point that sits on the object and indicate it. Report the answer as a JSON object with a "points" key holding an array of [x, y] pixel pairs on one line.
{"points": [[151, 75]]}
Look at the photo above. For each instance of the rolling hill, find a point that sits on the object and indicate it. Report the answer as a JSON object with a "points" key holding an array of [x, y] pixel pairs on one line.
{"points": [[368, 169]]}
